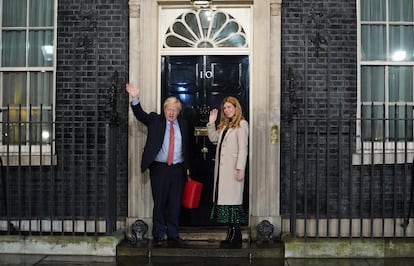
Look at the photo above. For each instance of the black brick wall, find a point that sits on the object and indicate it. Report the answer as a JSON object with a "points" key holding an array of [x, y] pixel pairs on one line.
{"points": [[319, 55], [92, 68], [319, 73], [93, 48]]}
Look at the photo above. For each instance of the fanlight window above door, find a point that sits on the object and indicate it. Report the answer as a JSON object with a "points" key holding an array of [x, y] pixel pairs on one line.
{"points": [[205, 28]]}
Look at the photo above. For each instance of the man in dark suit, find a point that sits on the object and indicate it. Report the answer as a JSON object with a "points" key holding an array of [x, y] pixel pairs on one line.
{"points": [[166, 156]]}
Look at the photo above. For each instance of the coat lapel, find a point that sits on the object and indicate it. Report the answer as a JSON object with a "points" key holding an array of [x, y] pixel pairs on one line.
{"points": [[226, 136]]}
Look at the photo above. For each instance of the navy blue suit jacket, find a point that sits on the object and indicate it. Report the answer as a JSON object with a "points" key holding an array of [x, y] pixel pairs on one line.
{"points": [[156, 125]]}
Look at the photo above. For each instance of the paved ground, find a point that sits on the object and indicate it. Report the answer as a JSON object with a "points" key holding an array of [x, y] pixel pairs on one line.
{"points": [[196, 253], [189, 261]]}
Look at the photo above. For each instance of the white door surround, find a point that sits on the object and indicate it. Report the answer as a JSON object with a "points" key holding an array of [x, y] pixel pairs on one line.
{"points": [[265, 98]]}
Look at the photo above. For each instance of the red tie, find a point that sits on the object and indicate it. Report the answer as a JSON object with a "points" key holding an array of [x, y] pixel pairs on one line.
{"points": [[170, 157]]}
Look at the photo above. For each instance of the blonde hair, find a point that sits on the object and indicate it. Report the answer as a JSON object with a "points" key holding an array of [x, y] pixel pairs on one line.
{"points": [[238, 116], [171, 100]]}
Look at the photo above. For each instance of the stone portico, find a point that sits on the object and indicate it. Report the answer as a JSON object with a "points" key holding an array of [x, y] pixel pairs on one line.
{"points": [[265, 99]]}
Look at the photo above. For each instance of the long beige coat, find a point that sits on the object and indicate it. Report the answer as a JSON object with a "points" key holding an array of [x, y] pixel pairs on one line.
{"points": [[233, 156]]}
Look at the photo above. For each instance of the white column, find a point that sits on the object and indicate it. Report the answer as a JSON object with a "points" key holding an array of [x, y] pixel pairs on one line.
{"points": [[274, 112], [142, 73], [265, 91]]}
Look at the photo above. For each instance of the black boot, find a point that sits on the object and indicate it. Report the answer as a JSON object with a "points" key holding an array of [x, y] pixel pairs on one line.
{"points": [[226, 242], [236, 241], [235, 238]]}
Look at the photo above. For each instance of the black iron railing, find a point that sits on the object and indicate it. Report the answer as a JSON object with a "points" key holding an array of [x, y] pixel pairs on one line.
{"points": [[60, 179], [350, 177]]}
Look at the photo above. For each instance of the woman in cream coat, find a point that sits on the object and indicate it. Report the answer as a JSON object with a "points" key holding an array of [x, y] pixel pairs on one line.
{"points": [[231, 137]]}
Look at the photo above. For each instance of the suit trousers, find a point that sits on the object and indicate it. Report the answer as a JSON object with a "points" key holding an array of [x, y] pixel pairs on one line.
{"points": [[167, 185]]}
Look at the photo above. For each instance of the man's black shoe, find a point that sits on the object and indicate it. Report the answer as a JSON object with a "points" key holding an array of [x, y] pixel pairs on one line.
{"points": [[158, 242], [177, 242]]}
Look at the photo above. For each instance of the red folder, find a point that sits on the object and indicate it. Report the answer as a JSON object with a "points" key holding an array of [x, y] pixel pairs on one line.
{"points": [[192, 194]]}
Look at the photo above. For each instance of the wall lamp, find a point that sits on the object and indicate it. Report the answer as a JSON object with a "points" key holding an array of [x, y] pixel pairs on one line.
{"points": [[201, 3]]}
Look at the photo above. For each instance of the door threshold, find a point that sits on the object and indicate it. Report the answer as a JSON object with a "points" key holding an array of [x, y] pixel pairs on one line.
{"points": [[210, 233]]}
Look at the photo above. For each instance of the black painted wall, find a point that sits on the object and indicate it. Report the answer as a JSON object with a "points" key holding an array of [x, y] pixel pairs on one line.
{"points": [[92, 68], [319, 72]]}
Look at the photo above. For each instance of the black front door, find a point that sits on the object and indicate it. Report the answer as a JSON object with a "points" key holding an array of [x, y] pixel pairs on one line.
{"points": [[201, 83]]}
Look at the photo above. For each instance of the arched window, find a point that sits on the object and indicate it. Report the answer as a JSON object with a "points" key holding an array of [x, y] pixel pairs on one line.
{"points": [[205, 28]]}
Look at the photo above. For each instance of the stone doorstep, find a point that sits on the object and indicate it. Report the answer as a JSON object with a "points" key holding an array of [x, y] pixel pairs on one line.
{"points": [[204, 242], [209, 233], [201, 249]]}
